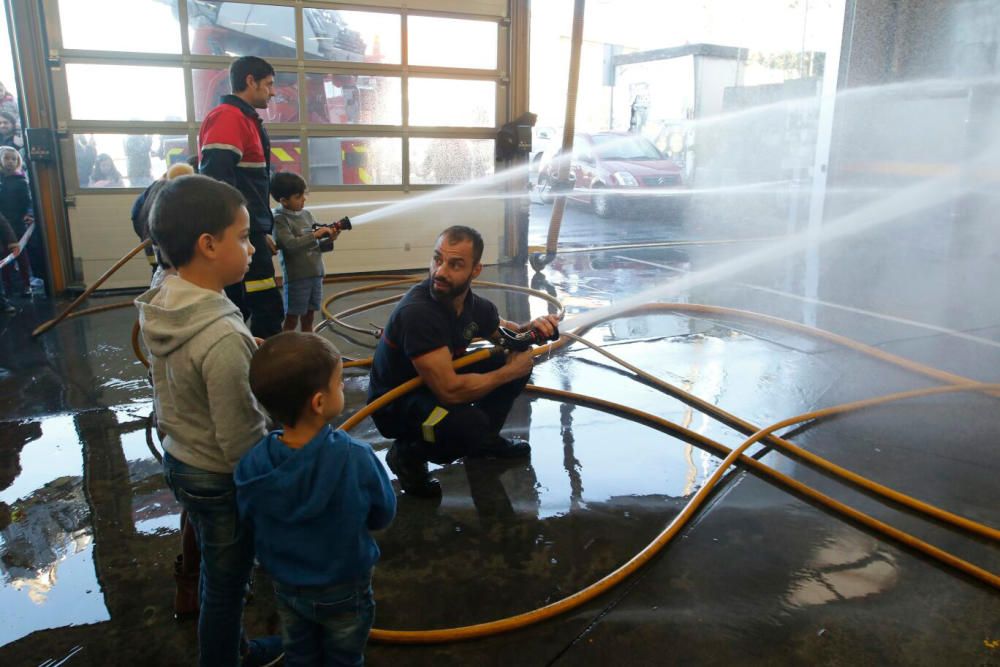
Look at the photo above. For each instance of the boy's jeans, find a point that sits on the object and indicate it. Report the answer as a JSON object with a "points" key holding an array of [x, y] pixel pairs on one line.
{"points": [[328, 625], [226, 557]]}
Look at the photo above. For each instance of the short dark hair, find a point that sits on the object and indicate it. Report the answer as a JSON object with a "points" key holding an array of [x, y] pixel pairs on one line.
{"points": [[289, 369], [256, 67], [284, 184], [459, 233], [11, 118], [187, 207]]}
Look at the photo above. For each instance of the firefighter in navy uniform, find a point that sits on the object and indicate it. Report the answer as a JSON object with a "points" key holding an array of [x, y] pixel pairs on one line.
{"points": [[233, 147], [453, 414]]}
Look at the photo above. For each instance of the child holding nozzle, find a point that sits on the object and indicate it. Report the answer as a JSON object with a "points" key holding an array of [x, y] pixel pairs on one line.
{"points": [[313, 495], [298, 239]]}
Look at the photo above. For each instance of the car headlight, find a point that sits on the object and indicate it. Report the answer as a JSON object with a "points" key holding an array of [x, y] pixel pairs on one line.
{"points": [[625, 178]]}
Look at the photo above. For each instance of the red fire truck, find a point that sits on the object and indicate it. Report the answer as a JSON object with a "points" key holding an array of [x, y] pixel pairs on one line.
{"points": [[227, 28]]}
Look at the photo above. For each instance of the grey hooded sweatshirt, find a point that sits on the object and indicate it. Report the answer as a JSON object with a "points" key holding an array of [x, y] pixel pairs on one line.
{"points": [[200, 360]]}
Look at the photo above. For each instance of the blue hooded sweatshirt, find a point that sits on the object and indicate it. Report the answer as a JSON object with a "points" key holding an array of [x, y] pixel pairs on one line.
{"points": [[312, 508]]}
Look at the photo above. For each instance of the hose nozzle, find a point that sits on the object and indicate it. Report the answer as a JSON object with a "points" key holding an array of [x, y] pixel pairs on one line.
{"points": [[521, 342], [326, 243]]}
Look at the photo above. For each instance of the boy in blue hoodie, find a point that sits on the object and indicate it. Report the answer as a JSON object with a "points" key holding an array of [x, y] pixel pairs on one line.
{"points": [[312, 494]]}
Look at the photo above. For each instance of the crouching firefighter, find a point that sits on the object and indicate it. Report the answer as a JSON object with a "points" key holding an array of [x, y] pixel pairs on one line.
{"points": [[454, 413]]}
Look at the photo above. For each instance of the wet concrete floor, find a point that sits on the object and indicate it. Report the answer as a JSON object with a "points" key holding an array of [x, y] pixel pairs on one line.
{"points": [[88, 530]]}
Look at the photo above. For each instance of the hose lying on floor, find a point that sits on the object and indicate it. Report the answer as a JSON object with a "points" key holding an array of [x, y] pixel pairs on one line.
{"points": [[959, 384], [732, 456]]}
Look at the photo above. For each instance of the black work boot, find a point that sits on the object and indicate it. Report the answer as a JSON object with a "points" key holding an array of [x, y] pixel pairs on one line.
{"points": [[497, 447], [411, 471]]}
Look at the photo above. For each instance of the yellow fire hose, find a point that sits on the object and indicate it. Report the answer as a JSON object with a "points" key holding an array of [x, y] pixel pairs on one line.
{"points": [[677, 524], [957, 384], [794, 450], [42, 328], [612, 579], [733, 420]]}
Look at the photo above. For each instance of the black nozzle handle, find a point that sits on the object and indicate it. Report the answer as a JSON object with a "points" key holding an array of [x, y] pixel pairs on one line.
{"points": [[521, 342]]}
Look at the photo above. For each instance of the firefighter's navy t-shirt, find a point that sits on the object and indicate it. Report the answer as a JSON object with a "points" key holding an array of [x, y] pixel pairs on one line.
{"points": [[420, 324]]}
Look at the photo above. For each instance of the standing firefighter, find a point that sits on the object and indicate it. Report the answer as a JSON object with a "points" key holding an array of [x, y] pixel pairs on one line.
{"points": [[233, 147]]}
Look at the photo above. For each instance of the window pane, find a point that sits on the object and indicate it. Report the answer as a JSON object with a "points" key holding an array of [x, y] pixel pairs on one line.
{"points": [[137, 93], [450, 161], [366, 37], [355, 161], [365, 100], [286, 154], [125, 160], [452, 102], [84, 25], [237, 29], [468, 44], [211, 84]]}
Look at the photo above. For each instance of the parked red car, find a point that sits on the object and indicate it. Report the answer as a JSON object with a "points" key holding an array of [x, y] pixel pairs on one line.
{"points": [[609, 166]]}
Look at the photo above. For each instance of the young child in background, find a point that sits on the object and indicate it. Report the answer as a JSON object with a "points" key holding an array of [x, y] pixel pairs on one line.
{"points": [[15, 206], [312, 495], [298, 243], [200, 353]]}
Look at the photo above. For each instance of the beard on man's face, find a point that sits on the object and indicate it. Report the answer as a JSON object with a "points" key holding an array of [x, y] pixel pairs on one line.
{"points": [[443, 290]]}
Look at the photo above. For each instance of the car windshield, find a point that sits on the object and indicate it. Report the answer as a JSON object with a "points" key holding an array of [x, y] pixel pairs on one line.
{"points": [[616, 147]]}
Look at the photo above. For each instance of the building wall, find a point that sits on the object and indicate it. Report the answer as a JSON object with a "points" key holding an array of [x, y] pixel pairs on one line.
{"points": [[712, 77]]}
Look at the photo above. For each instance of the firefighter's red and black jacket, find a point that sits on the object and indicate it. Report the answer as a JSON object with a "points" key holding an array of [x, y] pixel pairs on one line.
{"points": [[233, 147]]}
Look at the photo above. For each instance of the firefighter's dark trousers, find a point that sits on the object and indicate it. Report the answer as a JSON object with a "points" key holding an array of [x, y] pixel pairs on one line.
{"points": [[443, 433]]}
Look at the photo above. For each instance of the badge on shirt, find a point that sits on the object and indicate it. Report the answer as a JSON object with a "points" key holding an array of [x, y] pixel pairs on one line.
{"points": [[470, 330]]}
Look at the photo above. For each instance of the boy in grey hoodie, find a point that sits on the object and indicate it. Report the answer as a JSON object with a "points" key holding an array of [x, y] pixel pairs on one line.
{"points": [[200, 353]]}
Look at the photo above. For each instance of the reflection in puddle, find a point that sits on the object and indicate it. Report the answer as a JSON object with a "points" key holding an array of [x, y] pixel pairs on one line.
{"points": [[38, 455], [46, 562], [846, 565], [46, 534]]}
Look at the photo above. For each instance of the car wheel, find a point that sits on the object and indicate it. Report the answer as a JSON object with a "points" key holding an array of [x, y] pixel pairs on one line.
{"points": [[601, 203]]}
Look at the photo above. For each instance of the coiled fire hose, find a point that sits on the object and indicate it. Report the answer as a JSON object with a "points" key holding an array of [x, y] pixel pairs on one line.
{"points": [[956, 384], [677, 524], [68, 312]]}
